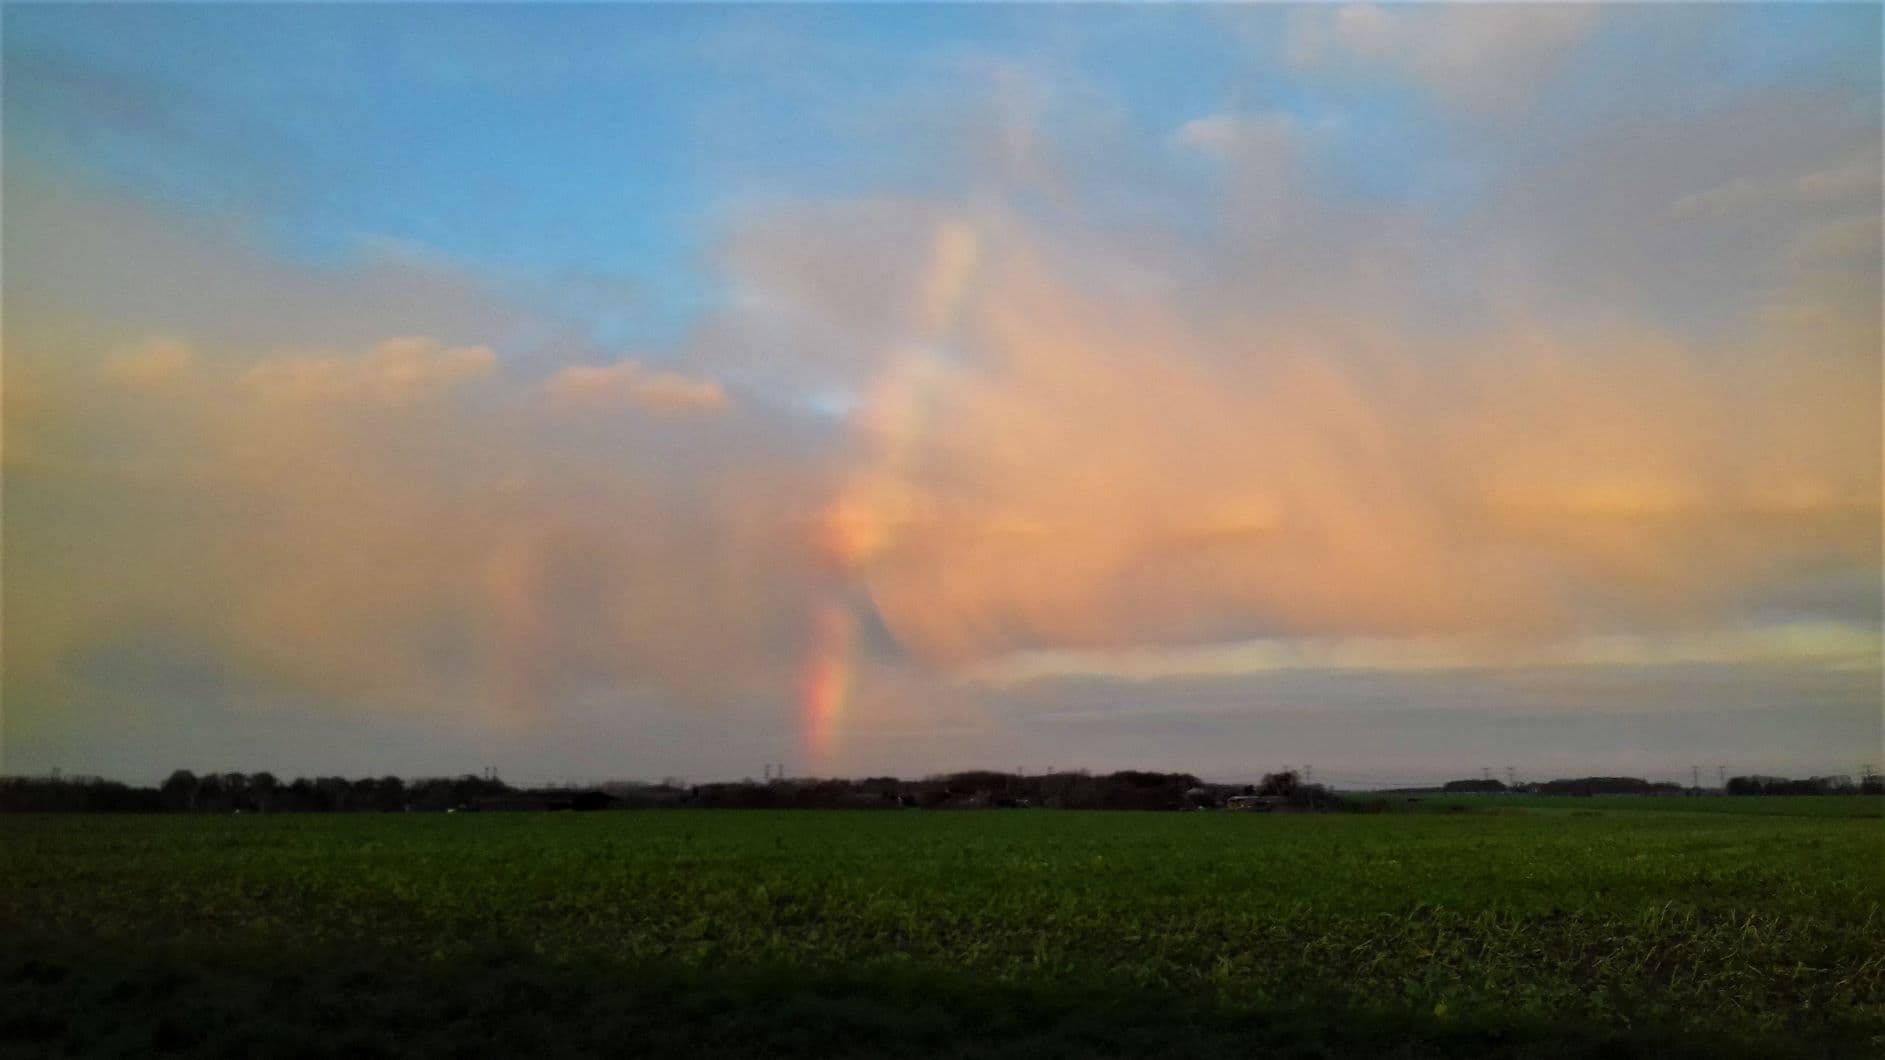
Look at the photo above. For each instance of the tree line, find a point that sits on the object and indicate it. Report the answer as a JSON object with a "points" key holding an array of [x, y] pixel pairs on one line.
{"points": [[1754, 785], [188, 792], [1835, 785], [233, 792]]}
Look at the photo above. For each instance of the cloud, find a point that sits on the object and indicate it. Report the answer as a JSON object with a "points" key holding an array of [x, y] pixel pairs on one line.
{"points": [[1096, 471], [151, 363], [1489, 59], [1855, 179], [631, 383], [1852, 183], [402, 524], [1823, 644], [393, 373], [108, 262], [1846, 242], [989, 433], [1226, 135]]}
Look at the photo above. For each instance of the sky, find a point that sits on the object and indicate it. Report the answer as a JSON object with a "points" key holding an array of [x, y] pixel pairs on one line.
{"points": [[675, 391]]}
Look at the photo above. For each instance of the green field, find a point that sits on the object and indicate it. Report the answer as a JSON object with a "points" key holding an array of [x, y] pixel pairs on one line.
{"points": [[1512, 933]]}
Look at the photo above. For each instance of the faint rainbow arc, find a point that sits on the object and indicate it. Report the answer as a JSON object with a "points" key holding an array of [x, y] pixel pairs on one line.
{"points": [[872, 506]]}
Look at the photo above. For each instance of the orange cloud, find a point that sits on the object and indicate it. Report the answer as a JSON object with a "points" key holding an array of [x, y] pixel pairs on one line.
{"points": [[152, 363], [1095, 469], [365, 529], [395, 372], [989, 433], [632, 383]]}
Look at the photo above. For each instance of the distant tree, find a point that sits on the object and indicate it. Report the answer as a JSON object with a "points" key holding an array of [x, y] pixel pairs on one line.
{"points": [[84, 795], [179, 791], [332, 792], [263, 788], [235, 791], [363, 794], [1758, 785], [302, 796], [390, 795], [209, 793], [109, 796], [1600, 786], [1283, 783], [1131, 789]]}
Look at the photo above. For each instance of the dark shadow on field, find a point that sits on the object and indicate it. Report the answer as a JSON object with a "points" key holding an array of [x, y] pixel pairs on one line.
{"points": [[58, 998]]}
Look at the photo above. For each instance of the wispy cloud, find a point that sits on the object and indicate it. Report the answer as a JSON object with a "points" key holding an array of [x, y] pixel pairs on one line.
{"points": [[1828, 645], [632, 383], [1488, 59]]}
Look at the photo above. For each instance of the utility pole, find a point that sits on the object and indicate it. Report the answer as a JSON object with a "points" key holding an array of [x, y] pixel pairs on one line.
{"points": [[1695, 778], [1484, 773], [1511, 777], [1721, 777]]}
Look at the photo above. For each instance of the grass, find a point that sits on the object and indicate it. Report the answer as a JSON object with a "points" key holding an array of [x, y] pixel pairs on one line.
{"points": [[833, 934]]}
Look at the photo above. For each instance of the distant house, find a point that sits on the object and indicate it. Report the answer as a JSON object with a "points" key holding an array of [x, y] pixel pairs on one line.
{"points": [[1255, 803]]}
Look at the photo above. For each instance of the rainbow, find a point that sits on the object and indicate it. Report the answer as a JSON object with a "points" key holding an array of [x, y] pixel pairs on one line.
{"points": [[826, 678], [873, 505]]}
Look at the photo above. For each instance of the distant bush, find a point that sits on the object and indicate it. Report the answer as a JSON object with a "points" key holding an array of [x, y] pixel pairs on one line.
{"points": [[1605, 786], [1835, 785], [36, 795]]}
